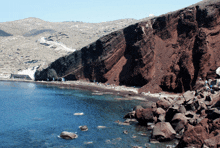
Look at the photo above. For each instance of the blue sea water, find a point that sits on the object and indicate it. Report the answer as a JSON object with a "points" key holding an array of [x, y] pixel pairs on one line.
{"points": [[33, 115]]}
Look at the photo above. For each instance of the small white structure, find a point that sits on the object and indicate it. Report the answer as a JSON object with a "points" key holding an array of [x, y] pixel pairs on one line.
{"points": [[151, 15], [30, 72]]}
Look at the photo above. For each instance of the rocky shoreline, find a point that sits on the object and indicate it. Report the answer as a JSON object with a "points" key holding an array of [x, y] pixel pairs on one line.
{"points": [[193, 118], [102, 88]]}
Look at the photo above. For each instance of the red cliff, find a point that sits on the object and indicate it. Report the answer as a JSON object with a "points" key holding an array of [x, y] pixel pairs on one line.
{"points": [[167, 53]]}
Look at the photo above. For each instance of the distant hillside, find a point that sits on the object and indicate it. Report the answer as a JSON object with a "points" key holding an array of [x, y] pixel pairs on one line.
{"points": [[22, 41]]}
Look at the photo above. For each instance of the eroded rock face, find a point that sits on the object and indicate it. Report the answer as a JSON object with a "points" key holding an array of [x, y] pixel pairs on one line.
{"points": [[170, 52]]}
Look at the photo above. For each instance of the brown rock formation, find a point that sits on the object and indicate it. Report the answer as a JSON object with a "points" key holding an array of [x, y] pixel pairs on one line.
{"points": [[163, 131], [170, 52], [193, 118]]}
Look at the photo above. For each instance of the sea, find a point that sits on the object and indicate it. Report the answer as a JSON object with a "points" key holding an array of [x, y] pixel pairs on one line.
{"points": [[33, 116]]}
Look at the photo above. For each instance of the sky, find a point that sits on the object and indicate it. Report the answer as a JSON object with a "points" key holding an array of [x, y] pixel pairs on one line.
{"points": [[92, 11]]}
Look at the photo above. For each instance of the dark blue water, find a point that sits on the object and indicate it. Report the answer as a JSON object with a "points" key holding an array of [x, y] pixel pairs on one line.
{"points": [[33, 115]]}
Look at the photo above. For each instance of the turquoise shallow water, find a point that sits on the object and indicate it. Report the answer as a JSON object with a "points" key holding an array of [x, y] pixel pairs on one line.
{"points": [[33, 115]]}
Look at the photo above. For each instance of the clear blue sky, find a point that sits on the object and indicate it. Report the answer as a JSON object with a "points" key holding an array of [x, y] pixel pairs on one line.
{"points": [[87, 10]]}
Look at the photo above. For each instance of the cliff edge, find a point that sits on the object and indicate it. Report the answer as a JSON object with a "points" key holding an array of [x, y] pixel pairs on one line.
{"points": [[166, 53]]}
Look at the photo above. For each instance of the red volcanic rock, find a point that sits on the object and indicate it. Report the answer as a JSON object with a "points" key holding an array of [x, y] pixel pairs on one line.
{"points": [[213, 142], [216, 124], [189, 95], [206, 133], [170, 52], [160, 111], [163, 131], [144, 115], [164, 104], [178, 122], [194, 136]]}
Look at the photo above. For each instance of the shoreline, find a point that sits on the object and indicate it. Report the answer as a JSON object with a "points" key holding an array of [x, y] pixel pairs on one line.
{"points": [[101, 88]]}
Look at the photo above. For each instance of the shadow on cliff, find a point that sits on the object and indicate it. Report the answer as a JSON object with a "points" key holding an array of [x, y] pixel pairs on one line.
{"points": [[94, 67], [130, 75]]}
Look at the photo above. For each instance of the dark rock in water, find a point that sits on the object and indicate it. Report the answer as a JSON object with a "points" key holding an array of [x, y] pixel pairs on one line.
{"points": [[137, 107], [144, 115], [166, 53], [83, 128], [163, 131], [68, 135], [130, 115], [125, 132]]}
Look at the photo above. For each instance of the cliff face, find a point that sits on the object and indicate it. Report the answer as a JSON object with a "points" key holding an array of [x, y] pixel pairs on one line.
{"points": [[170, 52]]}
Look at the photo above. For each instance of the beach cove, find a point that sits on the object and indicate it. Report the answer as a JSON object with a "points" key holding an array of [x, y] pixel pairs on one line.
{"points": [[33, 115]]}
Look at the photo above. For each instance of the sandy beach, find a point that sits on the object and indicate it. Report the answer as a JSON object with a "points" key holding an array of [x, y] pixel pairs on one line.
{"points": [[103, 88]]}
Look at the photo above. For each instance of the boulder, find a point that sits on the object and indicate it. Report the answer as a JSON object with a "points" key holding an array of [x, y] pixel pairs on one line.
{"points": [[199, 87], [83, 128], [182, 109], [163, 131], [215, 98], [171, 112], [137, 107], [161, 118], [213, 142], [160, 111], [216, 124], [165, 104], [160, 114], [68, 135], [130, 115], [194, 136], [178, 122], [144, 115], [189, 95], [179, 100], [154, 105]]}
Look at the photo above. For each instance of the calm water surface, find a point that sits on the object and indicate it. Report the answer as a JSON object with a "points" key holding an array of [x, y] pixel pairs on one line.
{"points": [[33, 115]]}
